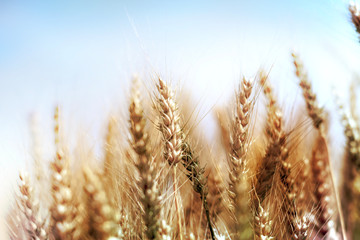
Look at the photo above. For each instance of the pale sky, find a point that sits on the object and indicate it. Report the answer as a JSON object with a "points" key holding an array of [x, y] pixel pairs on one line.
{"points": [[82, 55]]}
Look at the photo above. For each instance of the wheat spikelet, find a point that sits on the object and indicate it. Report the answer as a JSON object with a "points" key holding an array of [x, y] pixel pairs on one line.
{"points": [[150, 198], [301, 228], [300, 187], [33, 226], [262, 225], [164, 231], [238, 186]]}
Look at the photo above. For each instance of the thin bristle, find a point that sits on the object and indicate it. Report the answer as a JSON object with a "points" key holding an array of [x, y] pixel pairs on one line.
{"points": [[110, 146]]}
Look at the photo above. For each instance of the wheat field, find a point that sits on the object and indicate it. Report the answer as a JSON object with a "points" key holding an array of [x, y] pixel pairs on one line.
{"points": [[158, 178]]}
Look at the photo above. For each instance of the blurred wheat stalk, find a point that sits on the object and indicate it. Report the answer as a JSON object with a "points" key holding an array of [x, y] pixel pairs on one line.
{"points": [[161, 184]]}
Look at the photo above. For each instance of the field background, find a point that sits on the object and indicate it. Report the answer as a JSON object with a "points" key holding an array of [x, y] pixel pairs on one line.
{"points": [[82, 55]]}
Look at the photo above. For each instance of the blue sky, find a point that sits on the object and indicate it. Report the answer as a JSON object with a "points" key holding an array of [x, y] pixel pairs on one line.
{"points": [[82, 54]]}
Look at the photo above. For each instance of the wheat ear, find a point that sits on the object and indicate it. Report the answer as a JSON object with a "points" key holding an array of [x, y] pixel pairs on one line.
{"points": [[238, 187], [276, 150], [171, 132], [150, 198], [352, 134], [351, 167], [34, 227], [177, 149], [195, 174], [317, 116], [62, 209], [314, 111], [355, 16], [104, 219], [320, 169], [170, 123]]}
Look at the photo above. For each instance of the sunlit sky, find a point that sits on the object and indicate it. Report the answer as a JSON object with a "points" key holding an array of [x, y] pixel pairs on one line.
{"points": [[82, 54]]}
